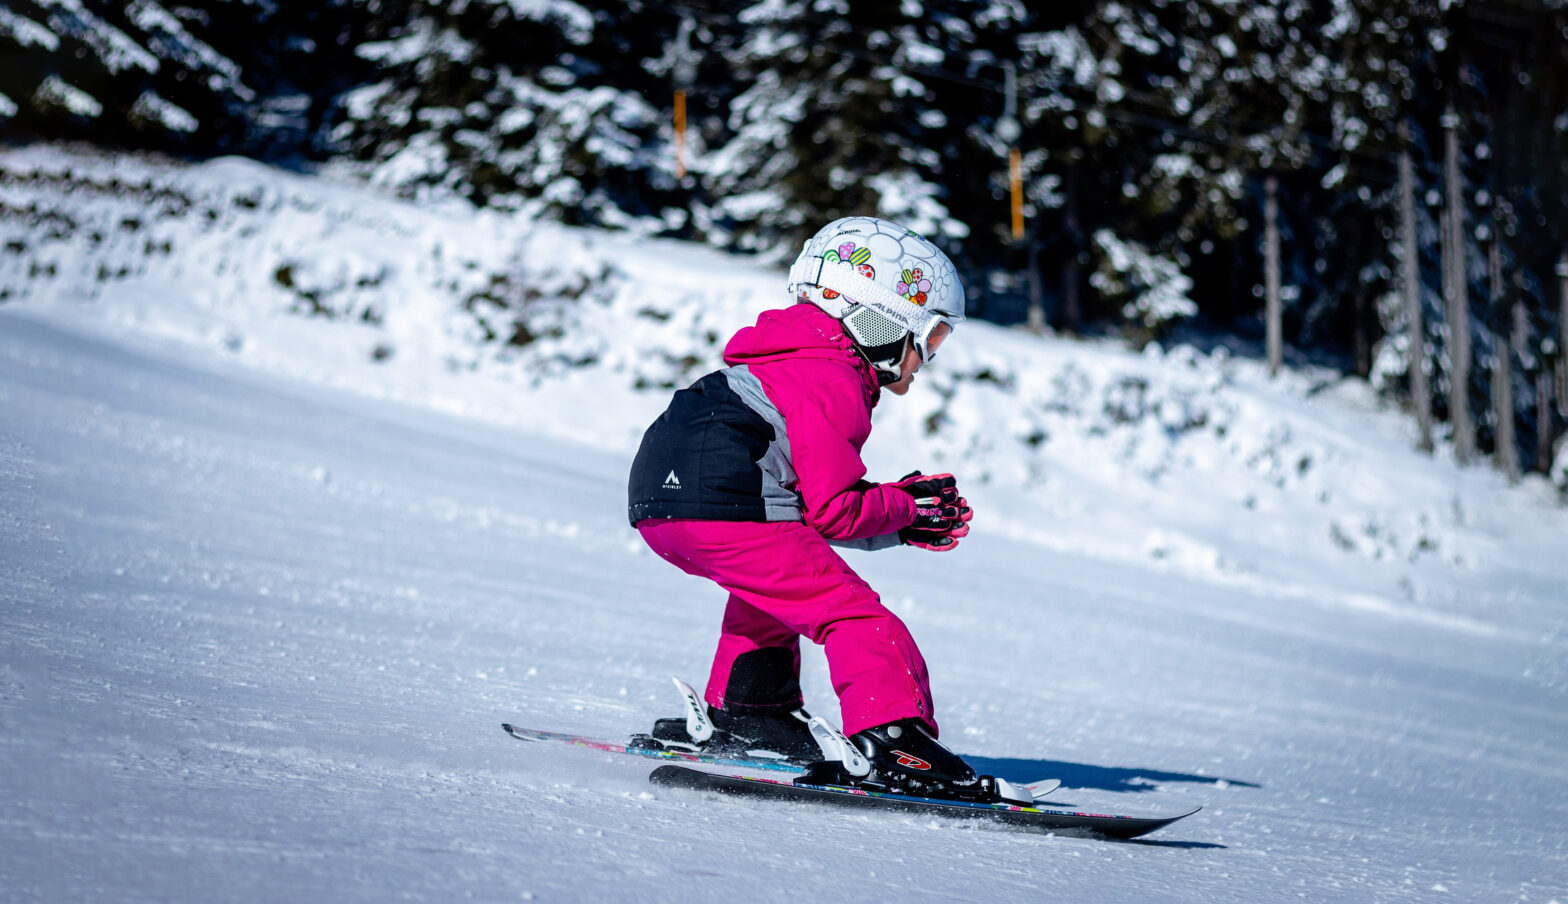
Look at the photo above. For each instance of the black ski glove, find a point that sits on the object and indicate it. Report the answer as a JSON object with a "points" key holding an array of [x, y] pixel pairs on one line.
{"points": [[941, 515]]}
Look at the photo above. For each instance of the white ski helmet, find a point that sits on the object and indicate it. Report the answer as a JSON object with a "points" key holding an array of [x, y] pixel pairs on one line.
{"points": [[884, 282]]}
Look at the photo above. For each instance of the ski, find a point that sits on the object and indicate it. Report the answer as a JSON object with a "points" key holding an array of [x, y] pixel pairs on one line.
{"points": [[657, 753], [1037, 789], [1039, 819]]}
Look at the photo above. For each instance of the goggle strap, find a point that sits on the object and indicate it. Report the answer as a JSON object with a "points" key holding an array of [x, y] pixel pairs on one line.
{"points": [[846, 280]]}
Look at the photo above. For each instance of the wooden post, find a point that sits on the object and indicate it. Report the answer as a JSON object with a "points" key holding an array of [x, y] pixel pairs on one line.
{"points": [[1457, 295], [1272, 308], [685, 75], [1015, 177], [1009, 130], [1410, 273], [680, 134]]}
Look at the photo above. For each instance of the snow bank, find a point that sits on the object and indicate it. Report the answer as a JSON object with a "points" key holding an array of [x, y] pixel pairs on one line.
{"points": [[1304, 487]]}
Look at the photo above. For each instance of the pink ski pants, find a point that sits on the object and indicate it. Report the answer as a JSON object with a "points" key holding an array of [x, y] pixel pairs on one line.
{"points": [[786, 582]]}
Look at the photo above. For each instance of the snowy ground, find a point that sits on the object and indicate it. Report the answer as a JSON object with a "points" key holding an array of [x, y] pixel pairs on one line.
{"points": [[258, 627]]}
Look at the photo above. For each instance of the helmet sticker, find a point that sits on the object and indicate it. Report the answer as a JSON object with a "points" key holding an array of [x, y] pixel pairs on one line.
{"points": [[848, 253], [914, 286]]}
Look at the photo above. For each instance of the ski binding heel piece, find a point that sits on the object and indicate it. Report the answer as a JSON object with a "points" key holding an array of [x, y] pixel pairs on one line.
{"points": [[697, 722], [836, 748]]}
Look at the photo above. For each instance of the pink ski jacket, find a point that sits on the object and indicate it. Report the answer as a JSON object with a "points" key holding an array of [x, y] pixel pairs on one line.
{"points": [[825, 391], [776, 436]]}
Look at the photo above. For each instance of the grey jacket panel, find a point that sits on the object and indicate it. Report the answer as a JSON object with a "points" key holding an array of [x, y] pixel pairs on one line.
{"points": [[870, 544], [781, 502]]}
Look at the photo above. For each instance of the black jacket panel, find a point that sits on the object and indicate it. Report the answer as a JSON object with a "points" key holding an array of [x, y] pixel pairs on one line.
{"points": [[700, 458]]}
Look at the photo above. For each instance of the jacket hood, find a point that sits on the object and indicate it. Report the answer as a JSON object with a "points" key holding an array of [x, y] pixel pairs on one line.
{"points": [[800, 331]]}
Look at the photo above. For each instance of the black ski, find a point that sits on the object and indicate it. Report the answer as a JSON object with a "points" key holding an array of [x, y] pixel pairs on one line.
{"points": [[774, 764], [1059, 821]]}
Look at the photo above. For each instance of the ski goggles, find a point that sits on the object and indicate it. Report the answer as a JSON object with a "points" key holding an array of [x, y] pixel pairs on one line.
{"points": [[930, 339], [884, 337]]}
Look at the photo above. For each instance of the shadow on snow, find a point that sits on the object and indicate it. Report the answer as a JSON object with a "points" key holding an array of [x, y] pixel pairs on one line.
{"points": [[1084, 775]]}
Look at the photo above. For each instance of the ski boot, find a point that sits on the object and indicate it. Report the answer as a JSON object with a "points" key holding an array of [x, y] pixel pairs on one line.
{"points": [[904, 757]]}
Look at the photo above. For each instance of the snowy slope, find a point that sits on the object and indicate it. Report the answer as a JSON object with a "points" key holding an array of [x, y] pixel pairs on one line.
{"points": [[258, 627]]}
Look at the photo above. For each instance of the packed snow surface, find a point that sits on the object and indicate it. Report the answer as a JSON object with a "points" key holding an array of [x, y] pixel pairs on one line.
{"points": [[288, 528]]}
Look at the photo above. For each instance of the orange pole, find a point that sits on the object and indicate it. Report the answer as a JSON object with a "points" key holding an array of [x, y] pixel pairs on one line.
{"points": [[1016, 171], [680, 134]]}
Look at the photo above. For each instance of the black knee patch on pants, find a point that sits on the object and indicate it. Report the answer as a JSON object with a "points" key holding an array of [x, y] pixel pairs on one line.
{"points": [[764, 677]]}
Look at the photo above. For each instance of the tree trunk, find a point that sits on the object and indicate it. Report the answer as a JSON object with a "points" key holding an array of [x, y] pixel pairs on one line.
{"points": [[1410, 271], [1359, 337], [1562, 337], [1557, 430], [1507, 451], [1273, 312], [1072, 304], [1543, 420], [1457, 295], [1036, 323]]}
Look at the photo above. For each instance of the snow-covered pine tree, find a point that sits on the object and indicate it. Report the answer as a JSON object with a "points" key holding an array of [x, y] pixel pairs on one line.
{"points": [[838, 115], [249, 76], [299, 58], [137, 74], [538, 105], [1096, 127]]}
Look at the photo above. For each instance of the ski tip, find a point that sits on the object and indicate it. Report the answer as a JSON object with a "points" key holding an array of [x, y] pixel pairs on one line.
{"points": [[676, 776]]}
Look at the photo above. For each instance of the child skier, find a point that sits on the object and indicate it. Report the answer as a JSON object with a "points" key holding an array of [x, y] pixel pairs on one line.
{"points": [[755, 469]]}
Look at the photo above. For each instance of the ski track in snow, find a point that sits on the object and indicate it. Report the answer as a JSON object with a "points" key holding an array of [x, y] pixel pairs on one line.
{"points": [[258, 639]]}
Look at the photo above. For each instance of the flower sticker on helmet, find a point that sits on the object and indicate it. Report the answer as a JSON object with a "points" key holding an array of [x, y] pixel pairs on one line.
{"points": [[847, 253], [914, 286]]}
